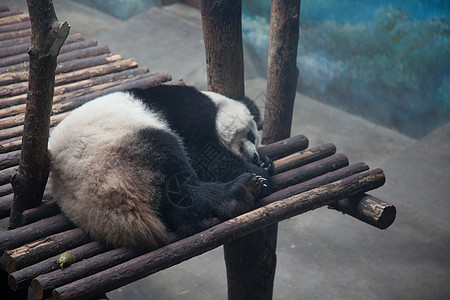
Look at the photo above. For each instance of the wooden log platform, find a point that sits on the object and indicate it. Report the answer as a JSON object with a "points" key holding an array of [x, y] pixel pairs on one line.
{"points": [[304, 179]]}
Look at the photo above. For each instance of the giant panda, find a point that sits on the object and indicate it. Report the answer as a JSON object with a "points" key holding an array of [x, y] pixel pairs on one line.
{"points": [[146, 166]]}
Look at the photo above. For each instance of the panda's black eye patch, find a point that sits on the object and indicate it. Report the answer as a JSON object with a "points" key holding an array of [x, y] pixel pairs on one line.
{"points": [[241, 148], [251, 137]]}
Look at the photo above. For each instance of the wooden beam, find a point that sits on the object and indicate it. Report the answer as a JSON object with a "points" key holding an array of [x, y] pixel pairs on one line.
{"points": [[222, 34], [47, 37], [22, 278], [179, 251]]}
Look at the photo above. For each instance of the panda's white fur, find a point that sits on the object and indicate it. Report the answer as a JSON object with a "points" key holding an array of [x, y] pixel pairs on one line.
{"points": [[103, 172], [79, 170]]}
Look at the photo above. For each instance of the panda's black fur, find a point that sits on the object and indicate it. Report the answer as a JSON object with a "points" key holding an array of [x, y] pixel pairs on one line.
{"points": [[171, 173]]}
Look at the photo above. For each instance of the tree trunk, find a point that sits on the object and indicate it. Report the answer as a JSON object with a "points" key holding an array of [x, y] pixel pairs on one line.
{"points": [[47, 37], [222, 33], [282, 71]]}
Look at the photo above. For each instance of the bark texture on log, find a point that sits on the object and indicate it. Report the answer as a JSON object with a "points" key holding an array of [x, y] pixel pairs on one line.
{"points": [[222, 34], [368, 209], [47, 37], [22, 278], [44, 284], [251, 261], [282, 71], [44, 248], [289, 145], [17, 237], [174, 253]]}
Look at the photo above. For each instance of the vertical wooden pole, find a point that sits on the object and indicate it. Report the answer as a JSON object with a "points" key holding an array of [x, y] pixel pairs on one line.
{"points": [[250, 261], [282, 71], [222, 34], [47, 37]]}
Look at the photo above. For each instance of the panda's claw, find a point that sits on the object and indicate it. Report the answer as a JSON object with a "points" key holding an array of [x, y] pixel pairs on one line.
{"points": [[267, 163]]}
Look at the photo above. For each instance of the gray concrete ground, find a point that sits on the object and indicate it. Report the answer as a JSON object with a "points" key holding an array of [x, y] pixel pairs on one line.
{"points": [[321, 254]]}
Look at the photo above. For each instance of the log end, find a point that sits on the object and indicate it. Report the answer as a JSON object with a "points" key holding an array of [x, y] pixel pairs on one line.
{"points": [[12, 282], [368, 209], [37, 289], [387, 217]]}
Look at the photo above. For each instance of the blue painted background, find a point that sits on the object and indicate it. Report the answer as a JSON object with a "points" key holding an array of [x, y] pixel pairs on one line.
{"points": [[387, 61]]}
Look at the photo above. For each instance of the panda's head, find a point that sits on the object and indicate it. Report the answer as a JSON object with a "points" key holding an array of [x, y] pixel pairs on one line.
{"points": [[236, 127]]}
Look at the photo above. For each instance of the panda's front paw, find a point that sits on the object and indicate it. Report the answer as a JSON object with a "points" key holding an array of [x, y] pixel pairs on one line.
{"points": [[262, 185], [267, 164]]}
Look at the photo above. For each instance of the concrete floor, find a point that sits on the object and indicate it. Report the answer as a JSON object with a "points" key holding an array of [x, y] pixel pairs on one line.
{"points": [[322, 254]]}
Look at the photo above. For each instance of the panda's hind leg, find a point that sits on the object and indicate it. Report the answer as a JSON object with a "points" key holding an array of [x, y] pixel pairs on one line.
{"points": [[192, 206], [241, 195]]}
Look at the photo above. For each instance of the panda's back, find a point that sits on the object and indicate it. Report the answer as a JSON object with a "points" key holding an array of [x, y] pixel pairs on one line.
{"points": [[100, 172]]}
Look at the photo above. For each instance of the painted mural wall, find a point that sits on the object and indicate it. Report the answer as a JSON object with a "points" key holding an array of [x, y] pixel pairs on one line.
{"points": [[387, 61]]}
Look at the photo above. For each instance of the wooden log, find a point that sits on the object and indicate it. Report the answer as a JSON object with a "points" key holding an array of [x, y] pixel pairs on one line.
{"points": [[146, 81], [314, 169], [82, 63], [12, 77], [24, 66], [43, 284], [14, 19], [72, 38], [48, 35], [115, 66], [12, 42], [9, 159], [10, 133], [18, 130], [87, 52], [64, 78], [5, 175], [302, 158], [103, 81], [17, 117], [66, 48], [368, 209], [289, 145], [11, 145], [15, 27], [44, 248], [8, 103], [12, 60], [43, 211], [5, 189], [17, 237], [172, 254], [8, 13], [222, 35], [314, 183], [15, 34], [109, 73], [5, 205], [78, 46], [282, 71], [22, 278]]}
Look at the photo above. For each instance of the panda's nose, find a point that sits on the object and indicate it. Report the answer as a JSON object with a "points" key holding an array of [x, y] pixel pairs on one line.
{"points": [[255, 157]]}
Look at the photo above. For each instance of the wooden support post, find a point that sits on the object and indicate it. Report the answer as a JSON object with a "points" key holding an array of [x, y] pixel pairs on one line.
{"points": [[246, 259], [251, 260], [282, 71], [47, 37], [222, 34]]}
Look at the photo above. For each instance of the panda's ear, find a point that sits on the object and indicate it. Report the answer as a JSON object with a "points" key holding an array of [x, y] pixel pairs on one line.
{"points": [[259, 124], [254, 110]]}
